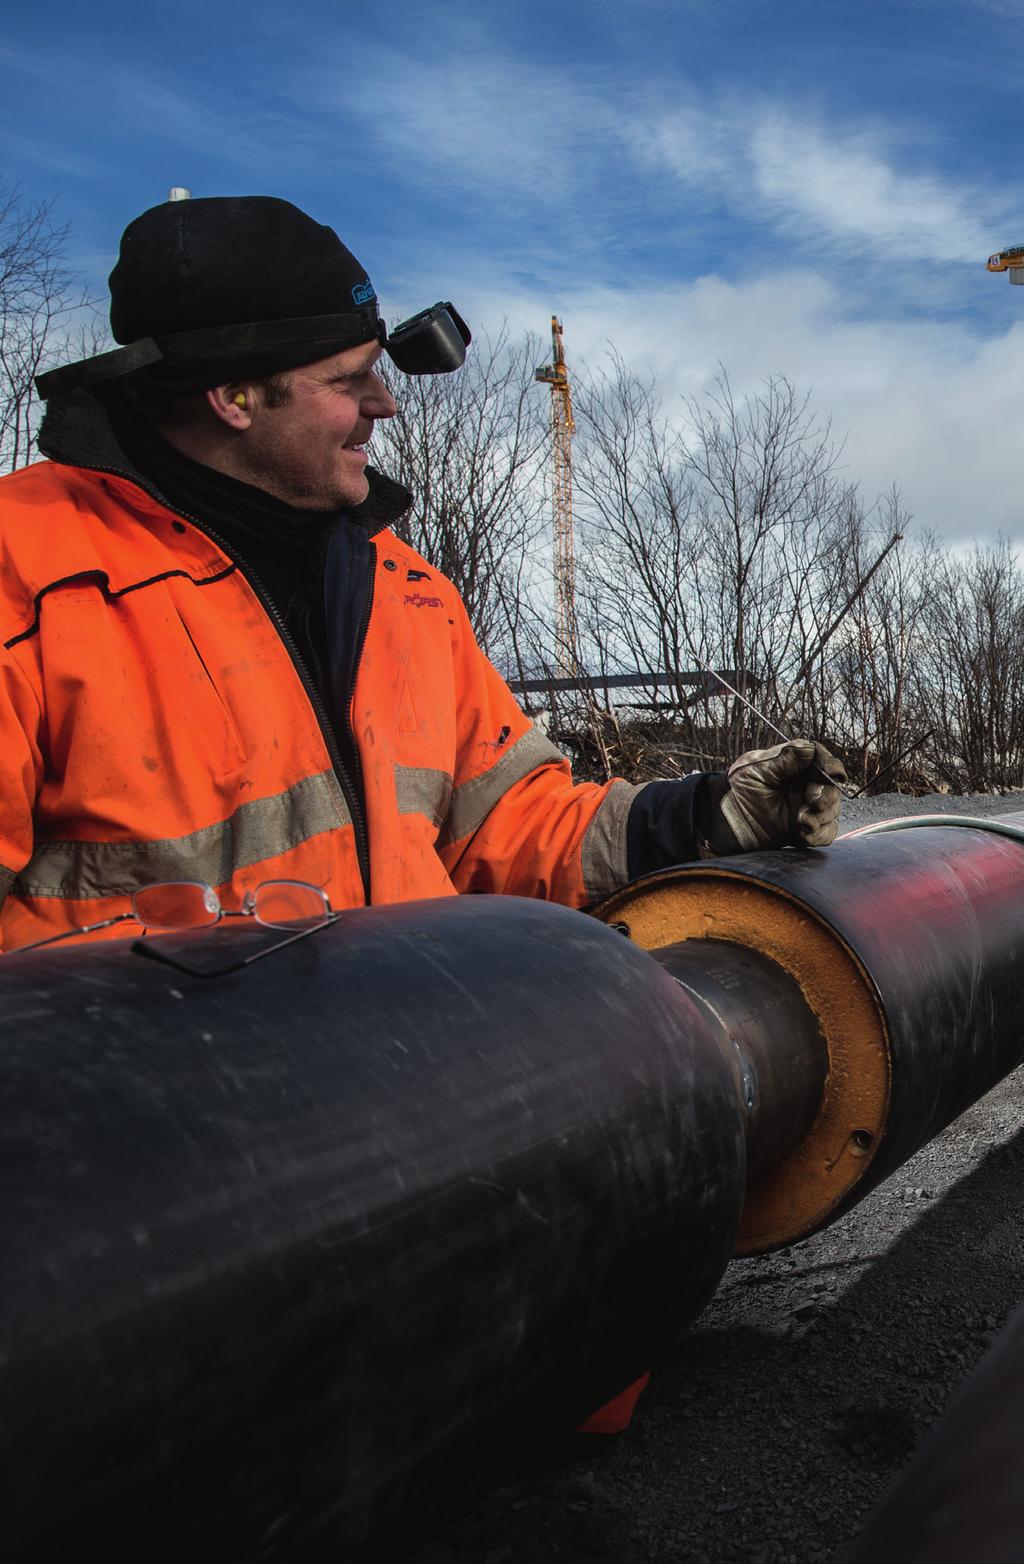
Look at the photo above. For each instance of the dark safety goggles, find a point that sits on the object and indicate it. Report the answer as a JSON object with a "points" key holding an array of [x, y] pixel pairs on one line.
{"points": [[434, 342]]}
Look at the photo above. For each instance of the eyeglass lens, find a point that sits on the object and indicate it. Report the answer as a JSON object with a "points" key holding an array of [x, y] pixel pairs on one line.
{"points": [[183, 904], [289, 904]]}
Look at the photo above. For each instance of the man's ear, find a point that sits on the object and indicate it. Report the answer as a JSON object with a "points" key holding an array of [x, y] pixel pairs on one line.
{"points": [[232, 404]]}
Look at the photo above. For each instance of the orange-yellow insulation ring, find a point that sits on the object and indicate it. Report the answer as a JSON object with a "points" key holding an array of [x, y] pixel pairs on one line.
{"points": [[797, 1197]]}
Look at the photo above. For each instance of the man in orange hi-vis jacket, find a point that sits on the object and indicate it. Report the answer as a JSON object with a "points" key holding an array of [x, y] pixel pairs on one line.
{"points": [[220, 664]]}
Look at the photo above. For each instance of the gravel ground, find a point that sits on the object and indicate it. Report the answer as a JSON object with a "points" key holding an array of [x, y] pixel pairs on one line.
{"points": [[886, 806], [773, 1429]]}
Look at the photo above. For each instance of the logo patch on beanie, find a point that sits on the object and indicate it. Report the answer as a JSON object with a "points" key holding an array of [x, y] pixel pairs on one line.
{"points": [[363, 292]]}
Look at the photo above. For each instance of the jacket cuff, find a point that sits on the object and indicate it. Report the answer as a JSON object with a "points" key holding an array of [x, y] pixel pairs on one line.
{"points": [[667, 821]]}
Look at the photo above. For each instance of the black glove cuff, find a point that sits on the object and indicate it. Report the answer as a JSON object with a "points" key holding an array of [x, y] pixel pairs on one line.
{"points": [[711, 824], [664, 825]]}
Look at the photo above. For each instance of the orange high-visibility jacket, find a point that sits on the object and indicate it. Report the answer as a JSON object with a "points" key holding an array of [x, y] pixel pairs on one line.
{"points": [[153, 726]]}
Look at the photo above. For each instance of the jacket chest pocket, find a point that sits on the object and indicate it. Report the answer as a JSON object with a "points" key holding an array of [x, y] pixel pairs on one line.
{"points": [[184, 662]]}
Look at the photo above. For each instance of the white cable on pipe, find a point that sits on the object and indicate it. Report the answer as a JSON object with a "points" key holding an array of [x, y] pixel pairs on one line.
{"points": [[1011, 825]]}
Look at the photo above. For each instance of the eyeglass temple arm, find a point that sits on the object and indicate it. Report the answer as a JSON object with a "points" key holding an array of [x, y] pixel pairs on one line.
{"points": [[142, 948], [87, 928]]}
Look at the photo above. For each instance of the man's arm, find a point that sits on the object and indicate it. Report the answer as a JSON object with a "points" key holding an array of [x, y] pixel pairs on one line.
{"points": [[519, 825], [21, 772]]}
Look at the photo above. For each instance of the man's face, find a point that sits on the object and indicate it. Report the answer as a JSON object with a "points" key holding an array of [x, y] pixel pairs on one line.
{"points": [[311, 449]]}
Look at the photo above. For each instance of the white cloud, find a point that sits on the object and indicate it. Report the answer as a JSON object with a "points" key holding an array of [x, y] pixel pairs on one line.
{"points": [[825, 186], [608, 150], [48, 156], [557, 173], [488, 123], [923, 403], [590, 151], [847, 188], [1014, 9]]}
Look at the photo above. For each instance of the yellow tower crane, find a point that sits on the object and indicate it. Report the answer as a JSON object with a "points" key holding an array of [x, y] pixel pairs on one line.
{"points": [[1010, 260], [556, 375]]}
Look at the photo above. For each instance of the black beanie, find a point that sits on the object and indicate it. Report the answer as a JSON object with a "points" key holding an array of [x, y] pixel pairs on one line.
{"points": [[232, 260]]}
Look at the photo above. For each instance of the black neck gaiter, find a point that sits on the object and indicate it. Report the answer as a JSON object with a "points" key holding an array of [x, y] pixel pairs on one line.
{"points": [[276, 541]]}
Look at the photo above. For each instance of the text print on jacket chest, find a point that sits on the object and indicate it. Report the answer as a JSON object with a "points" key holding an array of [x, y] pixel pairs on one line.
{"points": [[408, 682]]}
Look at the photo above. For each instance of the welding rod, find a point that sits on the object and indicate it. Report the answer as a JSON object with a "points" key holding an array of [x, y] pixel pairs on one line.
{"points": [[787, 738]]}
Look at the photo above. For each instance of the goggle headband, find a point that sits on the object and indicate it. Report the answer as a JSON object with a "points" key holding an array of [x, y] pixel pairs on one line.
{"points": [[433, 342]]}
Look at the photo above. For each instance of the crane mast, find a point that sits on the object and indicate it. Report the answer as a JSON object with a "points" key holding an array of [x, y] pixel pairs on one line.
{"points": [[556, 375]]}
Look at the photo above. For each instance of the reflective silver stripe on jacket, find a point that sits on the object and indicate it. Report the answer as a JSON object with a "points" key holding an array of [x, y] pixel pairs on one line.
{"points": [[603, 852], [422, 790], [473, 801], [257, 830]]}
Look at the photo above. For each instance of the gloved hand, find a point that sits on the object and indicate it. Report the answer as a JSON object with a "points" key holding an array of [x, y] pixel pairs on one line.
{"points": [[779, 797]]}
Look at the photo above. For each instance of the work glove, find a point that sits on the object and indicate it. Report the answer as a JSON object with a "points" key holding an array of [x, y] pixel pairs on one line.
{"points": [[783, 797]]}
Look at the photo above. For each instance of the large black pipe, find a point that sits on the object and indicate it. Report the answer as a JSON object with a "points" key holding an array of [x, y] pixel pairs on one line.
{"points": [[295, 1256], [937, 918]]}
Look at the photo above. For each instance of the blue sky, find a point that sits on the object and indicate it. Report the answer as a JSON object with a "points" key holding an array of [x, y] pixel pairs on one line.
{"points": [[774, 185]]}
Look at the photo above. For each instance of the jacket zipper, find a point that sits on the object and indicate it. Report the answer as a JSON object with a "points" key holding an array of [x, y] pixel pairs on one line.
{"points": [[352, 794], [359, 819]]}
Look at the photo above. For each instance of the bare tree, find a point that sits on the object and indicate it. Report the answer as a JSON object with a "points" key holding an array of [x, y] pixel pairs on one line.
{"points": [[873, 683], [641, 543], [727, 540], [39, 297], [764, 470], [712, 546], [972, 672], [472, 448]]}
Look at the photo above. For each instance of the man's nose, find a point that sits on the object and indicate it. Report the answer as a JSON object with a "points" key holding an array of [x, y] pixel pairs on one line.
{"points": [[379, 403]]}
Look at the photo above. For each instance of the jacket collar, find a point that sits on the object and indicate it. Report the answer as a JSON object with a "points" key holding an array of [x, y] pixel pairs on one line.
{"points": [[76, 431]]}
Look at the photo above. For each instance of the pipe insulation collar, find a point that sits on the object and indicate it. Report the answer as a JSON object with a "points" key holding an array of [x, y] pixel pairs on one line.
{"points": [[713, 902]]}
